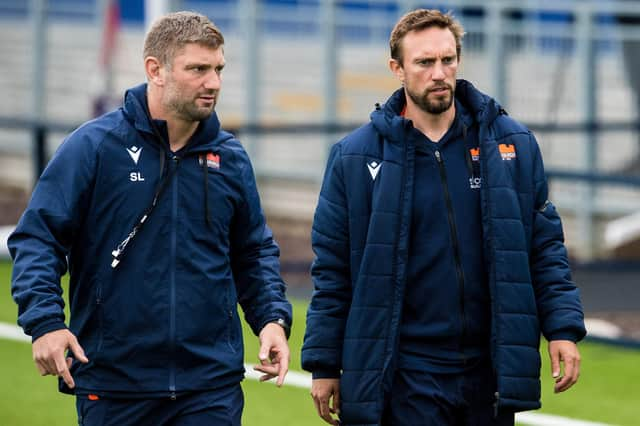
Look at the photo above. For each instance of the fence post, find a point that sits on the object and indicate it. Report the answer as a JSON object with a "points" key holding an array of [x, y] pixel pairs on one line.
{"points": [[330, 73], [496, 54], [38, 11], [248, 15], [585, 51]]}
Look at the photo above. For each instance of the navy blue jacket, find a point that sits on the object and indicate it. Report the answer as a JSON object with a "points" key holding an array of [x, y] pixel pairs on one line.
{"points": [[360, 237], [165, 319]]}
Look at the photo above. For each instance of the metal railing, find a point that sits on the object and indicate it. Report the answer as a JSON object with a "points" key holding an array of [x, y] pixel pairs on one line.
{"points": [[302, 74]]}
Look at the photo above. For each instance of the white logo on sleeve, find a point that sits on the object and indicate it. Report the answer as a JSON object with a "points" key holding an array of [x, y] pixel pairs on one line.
{"points": [[134, 153], [374, 168]]}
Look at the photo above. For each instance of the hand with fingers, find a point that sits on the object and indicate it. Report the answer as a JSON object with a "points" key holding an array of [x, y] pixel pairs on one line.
{"points": [[274, 353], [49, 354], [565, 354], [324, 391]]}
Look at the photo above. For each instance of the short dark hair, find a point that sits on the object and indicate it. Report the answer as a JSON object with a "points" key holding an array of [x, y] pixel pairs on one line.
{"points": [[421, 19], [173, 31]]}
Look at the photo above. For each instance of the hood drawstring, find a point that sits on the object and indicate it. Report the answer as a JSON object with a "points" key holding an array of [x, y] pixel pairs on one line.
{"points": [[205, 174], [471, 166]]}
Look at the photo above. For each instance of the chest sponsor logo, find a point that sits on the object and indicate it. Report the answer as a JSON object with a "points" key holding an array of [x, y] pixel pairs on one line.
{"points": [[374, 168], [507, 151], [213, 160], [475, 182], [134, 153], [475, 154]]}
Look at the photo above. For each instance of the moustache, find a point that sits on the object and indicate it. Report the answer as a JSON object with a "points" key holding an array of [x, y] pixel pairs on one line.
{"points": [[436, 88]]}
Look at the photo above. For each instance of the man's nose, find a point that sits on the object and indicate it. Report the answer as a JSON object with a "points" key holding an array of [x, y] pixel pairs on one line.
{"points": [[213, 81], [438, 71]]}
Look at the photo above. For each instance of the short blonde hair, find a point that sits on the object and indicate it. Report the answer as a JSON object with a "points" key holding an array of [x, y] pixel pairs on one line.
{"points": [[421, 19], [173, 31]]}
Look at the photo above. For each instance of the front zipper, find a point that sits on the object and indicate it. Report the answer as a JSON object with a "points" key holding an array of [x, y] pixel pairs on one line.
{"points": [[175, 160], [456, 247]]}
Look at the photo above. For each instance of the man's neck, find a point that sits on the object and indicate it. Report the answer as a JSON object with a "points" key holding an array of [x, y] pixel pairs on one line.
{"points": [[433, 126], [179, 131]]}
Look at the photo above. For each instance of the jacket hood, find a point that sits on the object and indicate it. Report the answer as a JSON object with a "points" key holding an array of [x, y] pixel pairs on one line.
{"points": [[207, 135], [482, 107], [388, 122]]}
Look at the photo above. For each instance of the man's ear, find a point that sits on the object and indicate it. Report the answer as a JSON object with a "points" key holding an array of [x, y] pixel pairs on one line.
{"points": [[396, 69], [153, 69]]}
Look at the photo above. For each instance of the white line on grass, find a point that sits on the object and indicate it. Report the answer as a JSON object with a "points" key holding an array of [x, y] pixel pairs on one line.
{"points": [[12, 332], [539, 419], [303, 380], [4, 234]]}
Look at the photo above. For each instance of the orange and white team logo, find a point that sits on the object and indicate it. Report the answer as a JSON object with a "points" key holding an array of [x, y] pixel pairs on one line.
{"points": [[475, 154], [507, 151], [213, 160]]}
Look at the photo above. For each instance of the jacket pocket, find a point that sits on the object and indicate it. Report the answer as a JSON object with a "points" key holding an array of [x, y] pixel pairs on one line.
{"points": [[233, 321], [100, 318]]}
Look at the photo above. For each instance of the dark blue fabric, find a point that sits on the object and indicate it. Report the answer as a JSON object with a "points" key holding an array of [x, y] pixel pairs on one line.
{"points": [[445, 316], [166, 318], [220, 407], [360, 237], [420, 398]]}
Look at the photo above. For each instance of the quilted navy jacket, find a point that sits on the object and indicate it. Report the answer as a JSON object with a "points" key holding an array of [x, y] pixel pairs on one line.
{"points": [[360, 239], [165, 319]]}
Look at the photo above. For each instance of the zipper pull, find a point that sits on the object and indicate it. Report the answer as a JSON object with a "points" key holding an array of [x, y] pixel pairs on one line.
{"points": [[438, 156]]}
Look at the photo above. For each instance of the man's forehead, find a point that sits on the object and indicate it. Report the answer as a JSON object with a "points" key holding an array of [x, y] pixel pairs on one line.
{"points": [[199, 49], [434, 40]]}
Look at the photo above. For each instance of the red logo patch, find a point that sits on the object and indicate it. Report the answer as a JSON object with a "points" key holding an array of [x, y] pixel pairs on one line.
{"points": [[213, 160]]}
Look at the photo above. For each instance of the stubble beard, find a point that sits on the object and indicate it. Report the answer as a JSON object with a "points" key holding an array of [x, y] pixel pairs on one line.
{"points": [[188, 110], [437, 106]]}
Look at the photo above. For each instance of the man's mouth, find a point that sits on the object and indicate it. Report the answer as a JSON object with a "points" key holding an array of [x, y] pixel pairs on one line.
{"points": [[439, 90]]}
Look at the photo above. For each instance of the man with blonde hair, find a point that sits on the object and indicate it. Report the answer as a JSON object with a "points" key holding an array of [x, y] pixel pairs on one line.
{"points": [[154, 211], [439, 258]]}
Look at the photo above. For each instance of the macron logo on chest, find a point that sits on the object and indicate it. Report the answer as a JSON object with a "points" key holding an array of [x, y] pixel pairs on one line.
{"points": [[374, 168], [134, 153]]}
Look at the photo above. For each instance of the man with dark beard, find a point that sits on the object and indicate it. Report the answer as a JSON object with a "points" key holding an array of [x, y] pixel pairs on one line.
{"points": [[439, 258], [154, 211]]}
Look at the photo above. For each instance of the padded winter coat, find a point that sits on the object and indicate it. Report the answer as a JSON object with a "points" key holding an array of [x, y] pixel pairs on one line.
{"points": [[360, 238], [164, 319]]}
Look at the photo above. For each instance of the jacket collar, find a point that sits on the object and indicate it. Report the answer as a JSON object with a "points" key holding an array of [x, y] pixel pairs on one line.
{"points": [[135, 107], [478, 107]]}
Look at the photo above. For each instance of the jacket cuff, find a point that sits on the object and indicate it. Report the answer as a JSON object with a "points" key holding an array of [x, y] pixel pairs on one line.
{"points": [[565, 335], [325, 374], [282, 322], [46, 327]]}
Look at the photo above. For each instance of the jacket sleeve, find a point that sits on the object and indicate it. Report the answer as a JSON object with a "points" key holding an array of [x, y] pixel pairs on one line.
{"points": [[255, 259], [331, 299], [557, 297], [41, 241]]}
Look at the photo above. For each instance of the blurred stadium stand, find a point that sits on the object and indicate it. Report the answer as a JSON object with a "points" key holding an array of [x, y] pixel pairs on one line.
{"points": [[302, 73]]}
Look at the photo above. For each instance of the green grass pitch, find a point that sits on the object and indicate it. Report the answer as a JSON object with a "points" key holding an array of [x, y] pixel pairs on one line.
{"points": [[608, 390]]}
